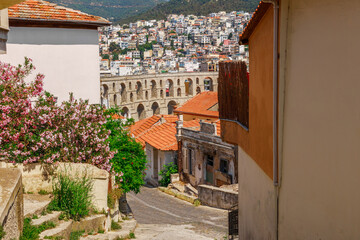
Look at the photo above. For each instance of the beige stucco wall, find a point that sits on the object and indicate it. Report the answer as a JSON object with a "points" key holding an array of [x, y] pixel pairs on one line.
{"points": [[257, 201], [69, 59], [36, 177], [319, 194]]}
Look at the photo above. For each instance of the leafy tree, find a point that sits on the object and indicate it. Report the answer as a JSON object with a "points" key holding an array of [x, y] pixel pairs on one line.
{"points": [[105, 56], [165, 174], [130, 160], [230, 36], [114, 47], [115, 56]]}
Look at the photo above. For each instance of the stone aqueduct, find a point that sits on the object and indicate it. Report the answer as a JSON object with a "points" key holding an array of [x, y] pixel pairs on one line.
{"points": [[142, 96]]}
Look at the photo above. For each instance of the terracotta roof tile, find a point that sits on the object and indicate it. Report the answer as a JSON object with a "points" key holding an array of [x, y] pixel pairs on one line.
{"points": [[200, 105], [42, 10]]}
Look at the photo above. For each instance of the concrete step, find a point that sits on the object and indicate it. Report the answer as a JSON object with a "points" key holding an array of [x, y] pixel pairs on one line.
{"points": [[90, 224], [63, 229], [53, 217], [126, 227], [34, 204]]}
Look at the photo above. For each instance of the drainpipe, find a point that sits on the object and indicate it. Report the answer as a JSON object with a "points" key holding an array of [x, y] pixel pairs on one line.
{"points": [[275, 110]]}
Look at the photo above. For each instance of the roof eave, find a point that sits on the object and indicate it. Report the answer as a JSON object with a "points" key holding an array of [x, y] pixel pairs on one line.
{"points": [[29, 21]]}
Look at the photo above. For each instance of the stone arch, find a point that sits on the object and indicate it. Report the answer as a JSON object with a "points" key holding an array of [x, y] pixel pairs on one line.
{"points": [[141, 112], [153, 89], [189, 87], [160, 83], [125, 112], [146, 95], [162, 93], [171, 106], [155, 108], [129, 85], [169, 88], [198, 90], [179, 92], [114, 87], [139, 90], [105, 95], [208, 84], [123, 92], [131, 97], [197, 81], [178, 82], [115, 100], [145, 83]]}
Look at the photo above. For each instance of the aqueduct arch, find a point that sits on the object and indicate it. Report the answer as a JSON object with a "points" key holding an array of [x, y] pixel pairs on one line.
{"points": [[125, 112], [169, 88], [155, 108], [153, 89], [141, 112], [189, 87], [171, 106]]}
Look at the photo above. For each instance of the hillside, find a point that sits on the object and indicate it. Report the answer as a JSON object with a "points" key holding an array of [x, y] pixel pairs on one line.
{"points": [[114, 10], [196, 7]]}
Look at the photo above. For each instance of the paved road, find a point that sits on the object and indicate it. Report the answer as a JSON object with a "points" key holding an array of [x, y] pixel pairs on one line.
{"points": [[161, 216]]}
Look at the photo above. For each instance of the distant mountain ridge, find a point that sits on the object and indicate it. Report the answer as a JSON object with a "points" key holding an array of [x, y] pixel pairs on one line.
{"points": [[114, 10], [195, 7]]}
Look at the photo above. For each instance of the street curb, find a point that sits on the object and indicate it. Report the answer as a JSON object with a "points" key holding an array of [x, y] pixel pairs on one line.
{"points": [[180, 196]]}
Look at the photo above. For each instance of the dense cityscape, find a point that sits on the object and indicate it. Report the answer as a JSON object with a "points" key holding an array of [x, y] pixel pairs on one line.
{"points": [[178, 44]]}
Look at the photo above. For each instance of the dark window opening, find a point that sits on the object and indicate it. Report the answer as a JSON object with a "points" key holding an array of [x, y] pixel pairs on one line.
{"points": [[210, 160], [224, 168]]}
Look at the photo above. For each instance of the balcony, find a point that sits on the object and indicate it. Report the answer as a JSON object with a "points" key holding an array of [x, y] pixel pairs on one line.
{"points": [[234, 93]]}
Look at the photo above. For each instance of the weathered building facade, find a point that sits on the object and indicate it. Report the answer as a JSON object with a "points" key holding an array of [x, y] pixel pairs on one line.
{"points": [[203, 157], [142, 96]]}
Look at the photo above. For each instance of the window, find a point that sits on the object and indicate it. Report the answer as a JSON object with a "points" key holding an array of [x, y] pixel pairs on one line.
{"points": [[209, 160], [190, 161], [224, 166]]}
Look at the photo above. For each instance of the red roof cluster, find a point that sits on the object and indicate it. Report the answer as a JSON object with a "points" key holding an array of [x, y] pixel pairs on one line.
{"points": [[42, 10], [200, 105]]}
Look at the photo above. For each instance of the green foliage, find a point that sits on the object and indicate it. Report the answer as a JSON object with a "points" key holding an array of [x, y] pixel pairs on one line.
{"points": [[43, 192], [115, 56], [197, 203], [131, 235], [76, 235], [31, 232], [129, 161], [105, 56], [196, 7], [230, 35], [2, 233], [72, 195], [115, 225], [165, 174]]}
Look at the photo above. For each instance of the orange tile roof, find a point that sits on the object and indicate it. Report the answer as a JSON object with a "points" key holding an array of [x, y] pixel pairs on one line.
{"points": [[163, 137], [200, 105], [42, 10]]}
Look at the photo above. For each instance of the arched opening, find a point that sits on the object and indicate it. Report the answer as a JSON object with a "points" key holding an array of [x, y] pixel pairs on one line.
{"points": [[139, 90], [179, 92], [169, 88], [129, 85], [114, 87], [125, 112], [145, 83], [155, 108], [131, 97], [123, 93], [189, 87], [153, 89], [208, 84], [162, 93], [146, 95], [115, 100], [105, 95], [160, 83], [178, 82], [198, 90], [171, 106], [141, 112], [197, 81]]}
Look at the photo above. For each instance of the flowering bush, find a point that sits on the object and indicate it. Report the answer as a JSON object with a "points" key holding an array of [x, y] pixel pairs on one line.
{"points": [[43, 131]]}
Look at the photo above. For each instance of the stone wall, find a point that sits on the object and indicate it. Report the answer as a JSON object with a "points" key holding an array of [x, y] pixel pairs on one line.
{"points": [[11, 203], [217, 197], [36, 177], [141, 96]]}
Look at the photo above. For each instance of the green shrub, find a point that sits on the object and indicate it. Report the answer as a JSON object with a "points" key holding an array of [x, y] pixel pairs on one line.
{"points": [[31, 232], [131, 235], [72, 195], [165, 174], [115, 225], [43, 192], [2, 233], [76, 235], [197, 203]]}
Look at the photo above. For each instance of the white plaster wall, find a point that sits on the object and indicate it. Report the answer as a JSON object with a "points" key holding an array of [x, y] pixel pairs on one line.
{"points": [[150, 163], [319, 194], [67, 57], [257, 201]]}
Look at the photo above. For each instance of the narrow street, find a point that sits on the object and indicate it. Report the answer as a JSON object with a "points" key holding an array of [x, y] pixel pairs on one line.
{"points": [[164, 217]]}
